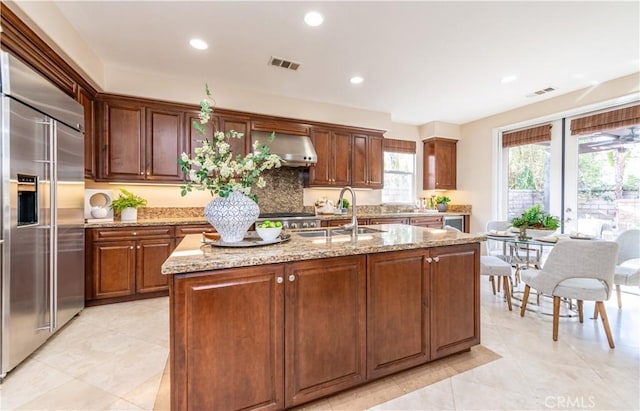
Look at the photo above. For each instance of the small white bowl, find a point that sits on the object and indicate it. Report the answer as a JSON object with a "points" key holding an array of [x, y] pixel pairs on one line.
{"points": [[268, 234]]}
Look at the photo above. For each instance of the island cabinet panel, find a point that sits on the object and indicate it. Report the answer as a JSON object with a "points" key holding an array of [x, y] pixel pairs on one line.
{"points": [[397, 315], [455, 298], [325, 306], [227, 344]]}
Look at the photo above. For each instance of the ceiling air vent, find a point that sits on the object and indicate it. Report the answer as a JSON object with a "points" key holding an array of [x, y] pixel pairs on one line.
{"points": [[541, 92], [280, 62]]}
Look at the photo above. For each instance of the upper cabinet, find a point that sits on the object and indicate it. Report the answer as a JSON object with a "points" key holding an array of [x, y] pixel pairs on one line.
{"points": [[346, 158], [439, 164], [334, 158], [367, 161], [139, 142], [85, 99]]}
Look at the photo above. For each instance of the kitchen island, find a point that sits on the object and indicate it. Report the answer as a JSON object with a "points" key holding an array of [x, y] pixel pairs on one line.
{"points": [[277, 326]]}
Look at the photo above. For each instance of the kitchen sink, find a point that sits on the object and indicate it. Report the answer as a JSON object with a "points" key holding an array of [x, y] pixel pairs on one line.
{"points": [[329, 232]]}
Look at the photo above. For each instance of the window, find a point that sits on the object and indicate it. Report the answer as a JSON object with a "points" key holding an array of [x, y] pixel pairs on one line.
{"points": [[528, 155], [399, 178]]}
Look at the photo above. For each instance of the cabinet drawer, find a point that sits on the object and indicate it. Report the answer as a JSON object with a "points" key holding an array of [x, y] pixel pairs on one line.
{"points": [[435, 221], [131, 233], [183, 230], [389, 220]]}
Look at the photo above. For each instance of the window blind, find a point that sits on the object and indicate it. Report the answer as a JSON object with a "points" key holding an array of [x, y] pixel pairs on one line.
{"points": [[622, 117], [527, 136], [399, 146]]}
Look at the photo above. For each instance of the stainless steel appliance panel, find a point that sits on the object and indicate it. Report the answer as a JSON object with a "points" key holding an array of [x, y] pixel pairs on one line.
{"points": [[69, 222], [27, 247], [456, 221], [42, 267]]}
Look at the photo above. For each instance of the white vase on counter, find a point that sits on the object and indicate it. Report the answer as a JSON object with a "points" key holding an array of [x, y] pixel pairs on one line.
{"points": [[232, 216], [129, 214]]}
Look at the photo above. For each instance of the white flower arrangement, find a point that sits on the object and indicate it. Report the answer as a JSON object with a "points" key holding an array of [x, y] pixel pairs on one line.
{"points": [[214, 166]]}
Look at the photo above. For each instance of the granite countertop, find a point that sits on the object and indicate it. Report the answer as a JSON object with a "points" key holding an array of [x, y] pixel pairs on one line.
{"points": [[202, 220], [192, 255]]}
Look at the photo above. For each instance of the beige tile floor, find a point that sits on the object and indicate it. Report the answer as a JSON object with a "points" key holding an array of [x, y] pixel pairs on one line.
{"points": [[112, 358]]}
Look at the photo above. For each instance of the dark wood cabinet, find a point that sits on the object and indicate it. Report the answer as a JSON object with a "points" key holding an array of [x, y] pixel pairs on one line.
{"points": [[124, 263], [427, 221], [243, 353], [439, 164], [334, 159], [389, 220], [279, 335], [397, 314], [325, 305], [113, 269], [241, 125], [86, 101], [139, 141], [193, 136], [367, 161], [164, 143], [291, 332], [121, 149], [455, 298], [150, 254]]}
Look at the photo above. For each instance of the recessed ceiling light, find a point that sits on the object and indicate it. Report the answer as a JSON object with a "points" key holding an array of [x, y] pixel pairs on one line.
{"points": [[508, 79], [198, 44], [313, 18], [356, 80]]}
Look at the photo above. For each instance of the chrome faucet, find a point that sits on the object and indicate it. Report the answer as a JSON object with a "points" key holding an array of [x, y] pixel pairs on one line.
{"points": [[354, 220]]}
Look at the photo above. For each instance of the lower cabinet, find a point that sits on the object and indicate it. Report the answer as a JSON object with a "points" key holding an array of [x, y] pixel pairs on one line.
{"points": [[277, 336], [325, 304], [431, 221], [454, 304], [124, 263], [397, 312], [342, 221], [290, 333]]}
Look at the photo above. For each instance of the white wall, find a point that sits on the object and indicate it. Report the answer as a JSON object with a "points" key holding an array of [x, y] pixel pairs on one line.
{"points": [[475, 149]]}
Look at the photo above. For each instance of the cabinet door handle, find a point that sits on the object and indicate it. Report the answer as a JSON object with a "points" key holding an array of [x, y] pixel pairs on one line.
{"points": [[142, 173], [436, 259], [429, 260], [292, 277], [279, 280], [131, 247], [138, 247], [134, 233]]}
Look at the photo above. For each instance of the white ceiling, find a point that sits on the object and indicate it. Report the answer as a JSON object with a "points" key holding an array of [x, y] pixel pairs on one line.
{"points": [[422, 61]]}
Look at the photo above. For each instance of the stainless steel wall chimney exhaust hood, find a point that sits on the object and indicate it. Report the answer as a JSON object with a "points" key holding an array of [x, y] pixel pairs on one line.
{"points": [[296, 151]]}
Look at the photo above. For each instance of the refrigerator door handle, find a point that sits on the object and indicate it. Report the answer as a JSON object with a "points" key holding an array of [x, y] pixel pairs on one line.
{"points": [[53, 232]]}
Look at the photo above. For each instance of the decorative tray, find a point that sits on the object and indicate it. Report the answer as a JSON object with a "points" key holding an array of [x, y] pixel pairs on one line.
{"points": [[251, 240]]}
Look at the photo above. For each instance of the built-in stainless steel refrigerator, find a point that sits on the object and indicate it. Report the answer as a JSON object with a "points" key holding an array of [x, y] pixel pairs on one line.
{"points": [[41, 194]]}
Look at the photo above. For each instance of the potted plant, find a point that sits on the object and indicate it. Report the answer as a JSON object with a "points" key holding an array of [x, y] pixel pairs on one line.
{"points": [[127, 204], [344, 206], [442, 203], [537, 219]]}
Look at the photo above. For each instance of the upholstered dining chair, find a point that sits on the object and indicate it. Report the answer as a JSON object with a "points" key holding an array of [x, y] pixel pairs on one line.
{"points": [[575, 269], [496, 248], [628, 266]]}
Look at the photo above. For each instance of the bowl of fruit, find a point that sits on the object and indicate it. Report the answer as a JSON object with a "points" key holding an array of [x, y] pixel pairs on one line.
{"points": [[269, 230]]}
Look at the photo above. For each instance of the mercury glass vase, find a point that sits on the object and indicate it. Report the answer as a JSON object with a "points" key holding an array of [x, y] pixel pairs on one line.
{"points": [[232, 216]]}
